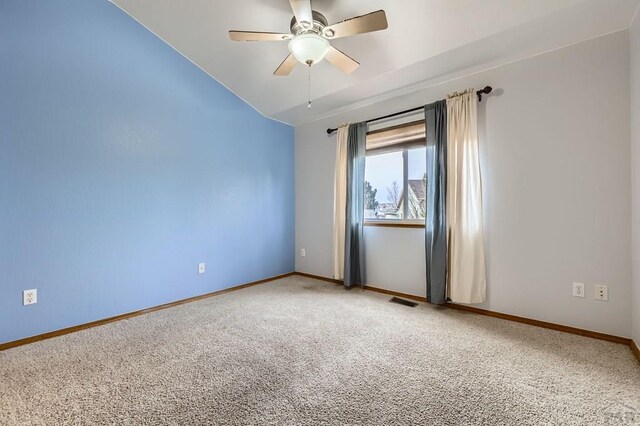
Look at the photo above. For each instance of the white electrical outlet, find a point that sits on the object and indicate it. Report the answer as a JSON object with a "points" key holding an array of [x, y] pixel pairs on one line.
{"points": [[29, 297], [601, 292], [578, 289], [303, 252], [201, 268]]}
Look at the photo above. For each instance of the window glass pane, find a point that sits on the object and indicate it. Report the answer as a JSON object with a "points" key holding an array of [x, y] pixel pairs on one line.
{"points": [[383, 186], [417, 183]]}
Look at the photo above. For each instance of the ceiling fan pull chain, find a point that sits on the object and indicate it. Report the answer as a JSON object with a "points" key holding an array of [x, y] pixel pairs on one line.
{"points": [[309, 79]]}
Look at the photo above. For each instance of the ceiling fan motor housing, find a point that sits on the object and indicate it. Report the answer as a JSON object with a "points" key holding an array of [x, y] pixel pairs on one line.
{"points": [[318, 24]]}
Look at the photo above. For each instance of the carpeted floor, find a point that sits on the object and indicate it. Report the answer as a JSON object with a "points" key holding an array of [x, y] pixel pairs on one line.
{"points": [[299, 351]]}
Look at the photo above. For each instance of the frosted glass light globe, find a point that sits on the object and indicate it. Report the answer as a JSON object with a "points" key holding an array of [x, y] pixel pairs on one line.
{"points": [[309, 47]]}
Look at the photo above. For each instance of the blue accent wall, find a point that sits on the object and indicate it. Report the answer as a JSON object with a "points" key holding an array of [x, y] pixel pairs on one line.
{"points": [[122, 166]]}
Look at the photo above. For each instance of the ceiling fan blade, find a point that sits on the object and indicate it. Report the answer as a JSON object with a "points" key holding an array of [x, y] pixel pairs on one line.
{"points": [[302, 10], [374, 21], [258, 36], [346, 64], [286, 66]]}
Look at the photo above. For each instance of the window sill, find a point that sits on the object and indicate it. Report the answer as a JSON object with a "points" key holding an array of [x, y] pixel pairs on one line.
{"points": [[394, 224]]}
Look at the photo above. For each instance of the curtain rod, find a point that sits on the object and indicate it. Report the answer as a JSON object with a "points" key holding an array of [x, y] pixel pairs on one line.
{"points": [[486, 91]]}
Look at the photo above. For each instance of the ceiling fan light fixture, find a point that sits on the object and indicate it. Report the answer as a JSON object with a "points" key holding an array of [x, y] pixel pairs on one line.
{"points": [[309, 48]]}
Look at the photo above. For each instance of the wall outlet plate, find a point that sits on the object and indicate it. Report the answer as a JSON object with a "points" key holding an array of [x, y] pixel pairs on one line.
{"points": [[578, 289], [601, 292], [303, 252], [201, 268], [29, 297]]}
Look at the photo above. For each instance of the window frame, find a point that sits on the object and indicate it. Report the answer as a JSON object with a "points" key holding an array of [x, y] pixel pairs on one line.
{"points": [[403, 147]]}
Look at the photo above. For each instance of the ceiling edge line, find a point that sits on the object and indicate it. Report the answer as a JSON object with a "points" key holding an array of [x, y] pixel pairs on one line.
{"points": [[635, 15], [198, 66], [424, 84]]}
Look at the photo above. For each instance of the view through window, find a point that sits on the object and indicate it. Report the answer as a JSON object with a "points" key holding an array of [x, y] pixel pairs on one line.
{"points": [[395, 175]]}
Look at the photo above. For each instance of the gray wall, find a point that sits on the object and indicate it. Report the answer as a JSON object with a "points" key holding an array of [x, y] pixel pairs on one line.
{"points": [[557, 177], [634, 48]]}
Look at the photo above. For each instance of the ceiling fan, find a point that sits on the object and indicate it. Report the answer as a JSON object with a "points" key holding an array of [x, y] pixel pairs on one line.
{"points": [[310, 35]]}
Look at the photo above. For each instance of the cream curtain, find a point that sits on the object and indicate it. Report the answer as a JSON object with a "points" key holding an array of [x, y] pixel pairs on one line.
{"points": [[340, 202], [467, 280]]}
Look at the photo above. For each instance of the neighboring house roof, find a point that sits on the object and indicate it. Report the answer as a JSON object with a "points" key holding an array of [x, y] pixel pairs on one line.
{"points": [[417, 187]]}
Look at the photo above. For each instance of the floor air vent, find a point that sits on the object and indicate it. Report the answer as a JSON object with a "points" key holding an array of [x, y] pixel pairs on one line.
{"points": [[403, 302]]}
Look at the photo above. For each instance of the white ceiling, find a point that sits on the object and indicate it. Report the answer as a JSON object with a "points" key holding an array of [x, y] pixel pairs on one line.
{"points": [[427, 41]]}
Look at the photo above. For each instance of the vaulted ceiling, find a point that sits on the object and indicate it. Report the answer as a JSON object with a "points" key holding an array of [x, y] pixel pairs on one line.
{"points": [[427, 41]]}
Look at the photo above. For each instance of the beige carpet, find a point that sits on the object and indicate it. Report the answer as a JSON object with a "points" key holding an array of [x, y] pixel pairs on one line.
{"points": [[299, 351]]}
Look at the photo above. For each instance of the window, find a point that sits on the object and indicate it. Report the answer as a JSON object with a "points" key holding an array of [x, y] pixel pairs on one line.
{"points": [[395, 176]]}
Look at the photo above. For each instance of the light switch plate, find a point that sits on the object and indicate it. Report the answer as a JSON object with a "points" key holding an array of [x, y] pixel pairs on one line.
{"points": [[303, 252], [201, 268]]}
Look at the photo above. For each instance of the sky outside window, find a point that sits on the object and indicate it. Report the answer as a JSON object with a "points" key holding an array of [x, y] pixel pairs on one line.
{"points": [[381, 171]]}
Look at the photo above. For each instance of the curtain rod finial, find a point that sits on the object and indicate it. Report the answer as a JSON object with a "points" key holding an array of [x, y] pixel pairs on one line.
{"points": [[486, 91]]}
